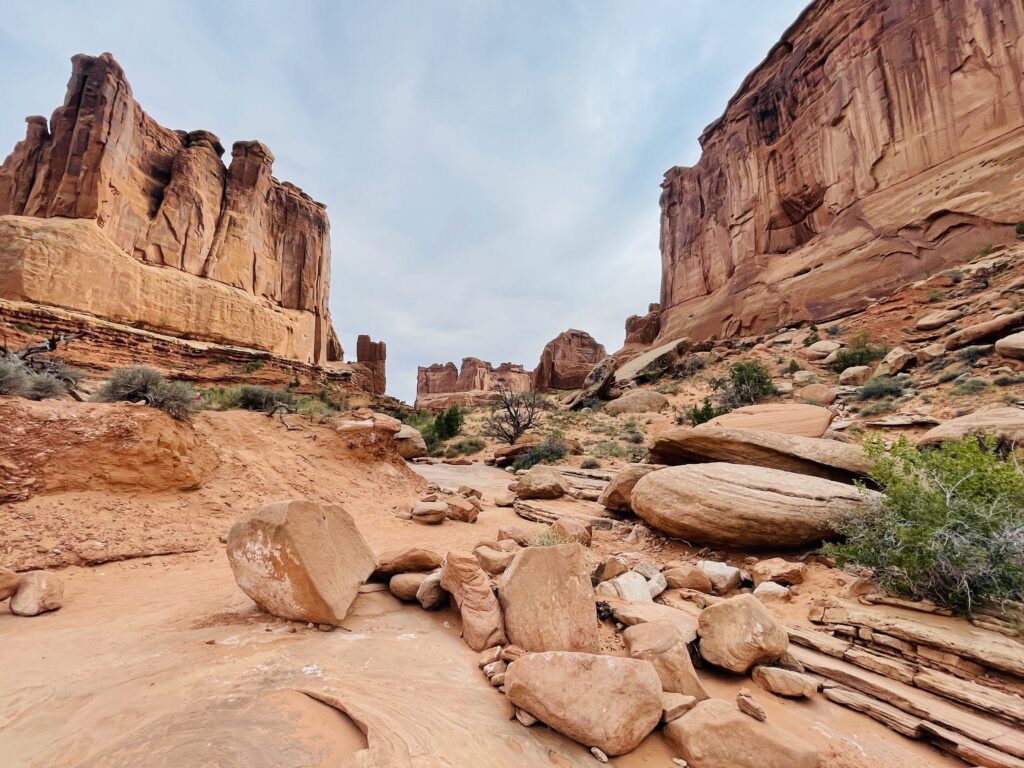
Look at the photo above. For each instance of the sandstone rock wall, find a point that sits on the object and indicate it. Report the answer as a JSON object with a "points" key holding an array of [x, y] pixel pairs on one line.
{"points": [[439, 385], [566, 360], [166, 199], [373, 355], [879, 140]]}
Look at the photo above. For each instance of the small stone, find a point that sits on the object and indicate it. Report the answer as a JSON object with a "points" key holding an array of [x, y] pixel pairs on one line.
{"points": [[489, 656], [38, 592], [770, 592], [723, 577], [498, 680], [600, 756], [609, 569], [675, 705], [647, 569], [494, 668], [657, 584], [748, 705], [525, 718]]}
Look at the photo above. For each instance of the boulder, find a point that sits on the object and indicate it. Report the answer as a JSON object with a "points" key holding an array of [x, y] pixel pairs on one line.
{"points": [[568, 528], [1011, 346], [300, 560], [770, 592], [819, 350], [661, 643], [430, 594], [540, 482], [404, 586], [817, 394], [690, 577], [637, 401], [660, 357], [630, 586], [738, 633], [504, 500], [410, 443], [493, 561], [548, 600], [1003, 423], [788, 418], [462, 509], [715, 734], [405, 560], [744, 506], [929, 353], [608, 702], [9, 583], [722, 576], [898, 359], [988, 331], [430, 512], [935, 320], [595, 384], [783, 682], [38, 592], [507, 454], [617, 493], [778, 570], [821, 457], [469, 586], [855, 375]]}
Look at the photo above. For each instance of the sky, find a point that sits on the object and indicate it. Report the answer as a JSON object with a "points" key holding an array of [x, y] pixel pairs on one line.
{"points": [[491, 169]]}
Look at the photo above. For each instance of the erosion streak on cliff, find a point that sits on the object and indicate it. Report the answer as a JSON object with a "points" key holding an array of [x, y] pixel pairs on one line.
{"points": [[877, 141]]}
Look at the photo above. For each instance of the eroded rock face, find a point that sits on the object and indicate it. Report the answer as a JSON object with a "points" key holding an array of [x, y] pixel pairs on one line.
{"points": [[373, 355], [845, 166], [566, 360], [482, 623], [300, 560], [165, 198], [438, 386], [607, 702], [643, 329]]}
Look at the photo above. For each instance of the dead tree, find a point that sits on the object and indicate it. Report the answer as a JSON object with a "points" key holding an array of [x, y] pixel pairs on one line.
{"points": [[514, 413]]}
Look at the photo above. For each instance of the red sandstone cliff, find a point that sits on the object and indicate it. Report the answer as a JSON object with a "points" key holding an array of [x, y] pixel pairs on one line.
{"points": [[438, 386], [566, 360], [373, 355], [878, 141], [164, 199]]}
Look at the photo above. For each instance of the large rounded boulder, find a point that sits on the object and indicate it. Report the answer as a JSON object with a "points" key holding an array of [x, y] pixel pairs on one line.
{"points": [[637, 401], [744, 506]]}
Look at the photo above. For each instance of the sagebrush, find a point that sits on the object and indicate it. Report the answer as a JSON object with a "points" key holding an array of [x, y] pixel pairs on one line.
{"points": [[177, 399]]}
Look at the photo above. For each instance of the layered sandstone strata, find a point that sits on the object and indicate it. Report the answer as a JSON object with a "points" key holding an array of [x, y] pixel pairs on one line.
{"points": [[440, 385], [878, 141], [566, 360], [373, 355], [178, 225]]}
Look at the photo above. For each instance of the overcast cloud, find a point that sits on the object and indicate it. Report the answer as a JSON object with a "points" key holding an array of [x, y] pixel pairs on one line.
{"points": [[491, 169]]}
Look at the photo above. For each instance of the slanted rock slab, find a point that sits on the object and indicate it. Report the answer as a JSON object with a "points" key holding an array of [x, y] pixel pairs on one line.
{"points": [[788, 418], [784, 682], [407, 560]]}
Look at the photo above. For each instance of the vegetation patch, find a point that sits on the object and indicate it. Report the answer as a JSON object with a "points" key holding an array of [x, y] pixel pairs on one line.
{"points": [[178, 399], [858, 352], [879, 387], [549, 450]]}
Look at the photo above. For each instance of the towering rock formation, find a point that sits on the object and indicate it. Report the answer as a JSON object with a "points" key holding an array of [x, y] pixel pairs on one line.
{"points": [[373, 355], [566, 360], [162, 235], [438, 386], [879, 140]]}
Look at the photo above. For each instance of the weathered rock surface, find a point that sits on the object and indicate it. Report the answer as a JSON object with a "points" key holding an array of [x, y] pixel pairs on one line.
{"points": [[817, 394], [607, 702], [548, 601], [842, 169], [540, 482], [739, 633], [568, 528], [410, 442], [411, 559], [829, 459], [637, 401], [722, 576], [38, 592], [784, 682], [482, 624], [743, 506], [9, 583], [373, 355], [566, 360], [440, 385], [300, 560], [660, 356], [715, 734], [937, 319], [630, 586], [616, 495], [988, 331], [251, 254], [430, 512], [404, 586], [595, 384], [643, 329], [1011, 346], [688, 578], [1003, 423], [778, 570], [855, 375], [661, 643], [788, 418], [896, 360]]}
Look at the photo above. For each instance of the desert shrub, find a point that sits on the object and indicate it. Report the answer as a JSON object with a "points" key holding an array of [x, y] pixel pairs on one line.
{"points": [[253, 397], [971, 354], [834, 330], [545, 537], [813, 337], [688, 366], [874, 409], [794, 366], [609, 449], [316, 409], [221, 398], [651, 374], [13, 376], [879, 387], [1008, 381], [949, 528], [704, 412], [512, 415], [177, 399], [970, 387], [590, 463], [252, 366], [43, 386], [667, 389], [749, 382], [985, 251], [1019, 229], [934, 295], [955, 276], [448, 423], [549, 450], [858, 352], [949, 376], [465, 446]]}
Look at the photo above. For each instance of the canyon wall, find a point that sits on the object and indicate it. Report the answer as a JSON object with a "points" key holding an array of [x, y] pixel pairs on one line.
{"points": [[373, 355], [195, 248], [566, 360], [879, 140], [438, 386]]}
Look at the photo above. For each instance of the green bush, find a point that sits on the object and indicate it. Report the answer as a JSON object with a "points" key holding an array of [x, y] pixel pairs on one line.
{"points": [[609, 449], [1019, 229], [253, 397], [176, 398], [834, 330], [549, 450], [688, 366], [934, 295], [590, 463], [13, 377], [857, 352], [876, 408], [448, 422], [704, 412], [794, 366], [1008, 381], [970, 387], [949, 528], [971, 354], [749, 382], [221, 398], [879, 387], [465, 446]]}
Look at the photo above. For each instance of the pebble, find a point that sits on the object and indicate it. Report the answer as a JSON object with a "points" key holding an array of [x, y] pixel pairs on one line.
{"points": [[597, 753]]}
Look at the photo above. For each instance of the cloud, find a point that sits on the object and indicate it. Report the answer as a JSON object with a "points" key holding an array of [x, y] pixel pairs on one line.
{"points": [[491, 169]]}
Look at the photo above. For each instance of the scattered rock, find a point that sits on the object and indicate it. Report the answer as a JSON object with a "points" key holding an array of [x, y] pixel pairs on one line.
{"points": [[987, 331], [609, 568], [504, 500], [300, 560], [674, 705], [783, 682], [744, 506], [855, 375], [462, 509], [616, 494], [748, 705], [608, 702], [407, 560], [600, 756], [787, 418], [657, 584], [929, 353], [1004, 423], [571, 529], [1011, 346], [738, 633], [493, 561], [629, 586], [770, 592], [405, 586], [468, 490], [819, 350], [540, 482], [817, 394], [410, 443], [430, 512], [548, 600], [431, 595], [661, 643], [937, 319], [715, 734], [898, 359], [38, 592], [525, 718], [637, 401], [778, 570], [469, 586], [489, 656], [690, 577], [722, 576]]}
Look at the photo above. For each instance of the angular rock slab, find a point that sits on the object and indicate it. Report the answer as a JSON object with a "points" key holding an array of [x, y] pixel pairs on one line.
{"points": [[829, 459], [715, 734], [787, 418], [661, 643], [548, 600], [739, 633], [744, 506], [300, 560], [608, 702]]}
